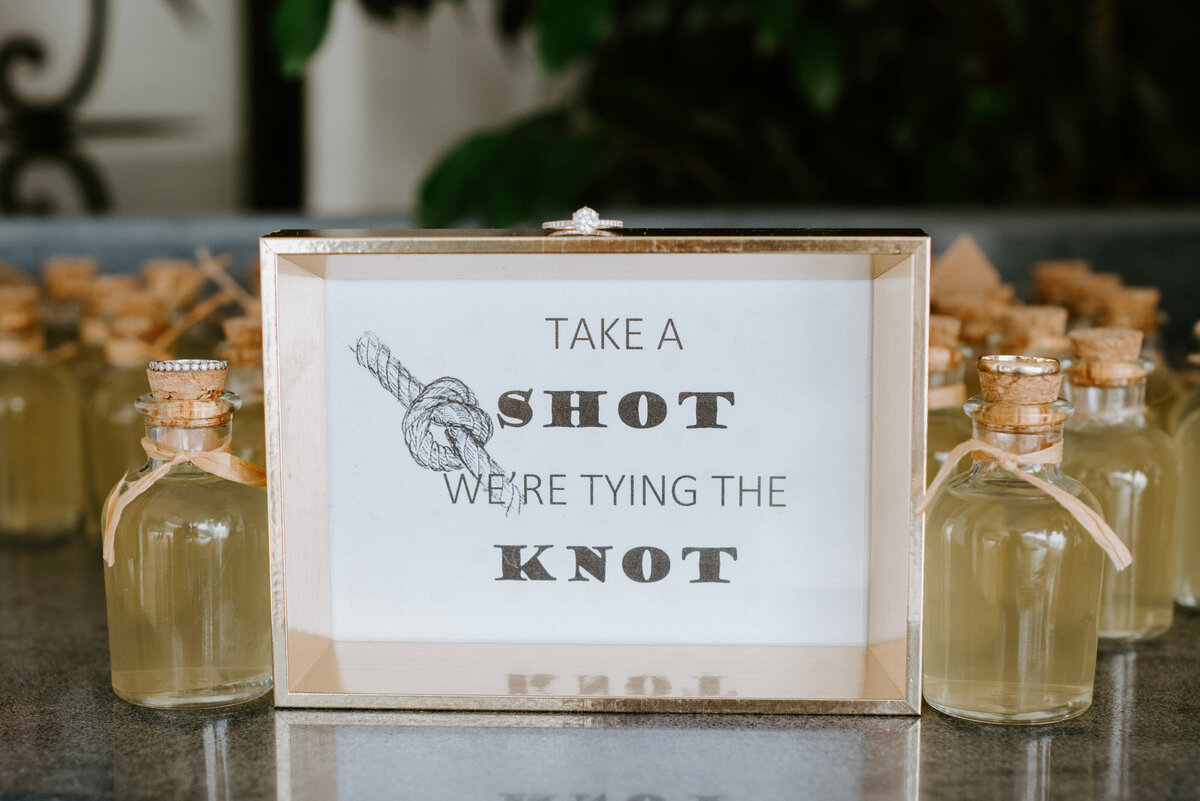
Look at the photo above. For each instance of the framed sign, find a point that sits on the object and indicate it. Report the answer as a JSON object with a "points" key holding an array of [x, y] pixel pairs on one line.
{"points": [[660, 471]]}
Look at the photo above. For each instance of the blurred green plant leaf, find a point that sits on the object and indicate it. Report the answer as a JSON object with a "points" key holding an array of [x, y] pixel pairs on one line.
{"points": [[776, 21], [534, 168], [297, 29], [817, 66], [569, 30]]}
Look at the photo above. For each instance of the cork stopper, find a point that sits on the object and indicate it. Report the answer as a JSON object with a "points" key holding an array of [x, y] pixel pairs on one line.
{"points": [[107, 289], [187, 379], [1051, 276], [980, 314], [138, 315], [962, 270], [1019, 380], [69, 277], [1107, 344], [1086, 294], [1029, 327], [1107, 357], [18, 309], [244, 341], [944, 354], [176, 282], [1133, 307], [243, 331], [944, 331]]}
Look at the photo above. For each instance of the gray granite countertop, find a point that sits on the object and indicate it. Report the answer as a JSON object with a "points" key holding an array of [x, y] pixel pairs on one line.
{"points": [[63, 734]]}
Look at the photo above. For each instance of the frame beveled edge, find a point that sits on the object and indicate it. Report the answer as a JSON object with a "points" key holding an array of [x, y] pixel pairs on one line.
{"points": [[902, 244], [326, 243], [620, 704], [268, 271]]}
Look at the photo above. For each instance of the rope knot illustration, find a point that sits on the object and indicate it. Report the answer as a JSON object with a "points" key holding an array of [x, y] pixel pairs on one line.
{"points": [[446, 403], [449, 403]]}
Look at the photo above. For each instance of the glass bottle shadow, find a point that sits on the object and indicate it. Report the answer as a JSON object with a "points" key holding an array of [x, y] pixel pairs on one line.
{"points": [[518, 757], [1022, 763], [213, 755]]}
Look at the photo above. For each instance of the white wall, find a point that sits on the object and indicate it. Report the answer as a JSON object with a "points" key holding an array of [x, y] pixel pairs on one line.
{"points": [[385, 101], [154, 66]]}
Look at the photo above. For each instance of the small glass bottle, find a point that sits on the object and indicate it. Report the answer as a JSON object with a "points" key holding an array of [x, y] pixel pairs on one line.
{"points": [[188, 585], [67, 280], [945, 425], [1134, 471], [41, 462], [1137, 307], [1188, 399], [243, 351], [112, 427], [1012, 578], [1187, 441]]}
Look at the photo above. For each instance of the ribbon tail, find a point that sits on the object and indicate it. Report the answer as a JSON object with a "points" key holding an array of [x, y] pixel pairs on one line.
{"points": [[952, 460], [1092, 522], [231, 468], [115, 505]]}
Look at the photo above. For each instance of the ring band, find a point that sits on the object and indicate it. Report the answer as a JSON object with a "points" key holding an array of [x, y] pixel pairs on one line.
{"points": [[584, 222]]}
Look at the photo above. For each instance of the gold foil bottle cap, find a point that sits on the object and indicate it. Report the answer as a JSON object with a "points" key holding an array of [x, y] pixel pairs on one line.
{"points": [[187, 379], [1019, 380], [69, 277]]}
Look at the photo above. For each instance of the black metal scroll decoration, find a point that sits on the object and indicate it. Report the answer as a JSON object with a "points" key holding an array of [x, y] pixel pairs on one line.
{"points": [[46, 131]]}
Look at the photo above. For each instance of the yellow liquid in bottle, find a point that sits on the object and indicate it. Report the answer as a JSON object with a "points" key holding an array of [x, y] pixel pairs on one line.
{"points": [[1162, 392], [114, 431], [41, 457], [246, 382], [251, 442], [189, 620], [1133, 472], [1185, 403], [1187, 437], [1012, 589], [945, 429]]}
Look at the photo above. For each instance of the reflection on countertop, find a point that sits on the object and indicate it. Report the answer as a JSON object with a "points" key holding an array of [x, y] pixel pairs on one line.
{"points": [[63, 734]]}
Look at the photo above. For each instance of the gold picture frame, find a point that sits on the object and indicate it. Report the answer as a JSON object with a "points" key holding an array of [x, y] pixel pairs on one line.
{"points": [[315, 669]]}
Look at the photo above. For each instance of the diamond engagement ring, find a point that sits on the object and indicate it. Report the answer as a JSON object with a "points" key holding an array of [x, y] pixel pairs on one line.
{"points": [[584, 222]]}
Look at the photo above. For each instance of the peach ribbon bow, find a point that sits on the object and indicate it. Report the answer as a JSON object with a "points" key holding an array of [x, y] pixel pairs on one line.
{"points": [[220, 462], [1089, 518]]}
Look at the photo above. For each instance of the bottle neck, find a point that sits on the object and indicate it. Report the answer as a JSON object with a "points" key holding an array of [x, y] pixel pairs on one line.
{"points": [[209, 438], [1018, 442], [1108, 405]]}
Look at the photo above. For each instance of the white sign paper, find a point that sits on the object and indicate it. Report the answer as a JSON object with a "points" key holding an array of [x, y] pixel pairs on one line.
{"points": [[673, 460]]}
